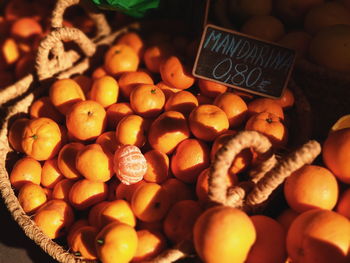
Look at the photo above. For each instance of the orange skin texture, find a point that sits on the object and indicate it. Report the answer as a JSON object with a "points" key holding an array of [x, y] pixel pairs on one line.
{"points": [[41, 139], [269, 125], [85, 193], [343, 206], [174, 73], [54, 218], [311, 187], [234, 107], [319, 235], [287, 99], [31, 196], [286, 218], [64, 93], [98, 73], [157, 167], [129, 80], [179, 222], [335, 154], [230, 227], [190, 158], [150, 202], [167, 90], [211, 89], [269, 233], [94, 218], [133, 40], [67, 159], [116, 242], [9, 53], [84, 82], [207, 122], [183, 101], [116, 112], [147, 100], [94, 163], [86, 120], [15, 134], [154, 55], [25, 170], [121, 58], [51, 174], [149, 245], [117, 210], [43, 107], [177, 190], [108, 142], [62, 189], [105, 91], [74, 227], [82, 242], [130, 130], [167, 131], [126, 192], [26, 28], [265, 104]]}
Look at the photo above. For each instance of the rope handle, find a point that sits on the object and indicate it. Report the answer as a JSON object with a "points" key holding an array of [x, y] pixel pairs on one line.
{"points": [[61, 60], [102, 26]]}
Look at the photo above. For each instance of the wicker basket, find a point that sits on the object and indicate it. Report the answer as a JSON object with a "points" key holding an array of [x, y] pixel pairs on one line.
{"points": [[250, 196]]}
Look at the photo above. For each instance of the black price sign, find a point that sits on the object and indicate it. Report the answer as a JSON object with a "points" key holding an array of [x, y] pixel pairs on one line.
{"points": [[243, 62]]}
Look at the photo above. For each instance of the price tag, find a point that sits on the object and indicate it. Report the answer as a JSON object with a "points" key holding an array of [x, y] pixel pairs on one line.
{"points": [[243, 62]]}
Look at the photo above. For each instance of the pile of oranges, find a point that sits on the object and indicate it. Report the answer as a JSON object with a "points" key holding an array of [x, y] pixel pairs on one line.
{"points": [[116, 162]]}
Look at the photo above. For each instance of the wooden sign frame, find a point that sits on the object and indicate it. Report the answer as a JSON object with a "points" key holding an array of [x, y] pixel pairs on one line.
{"points": [[260, 90]]}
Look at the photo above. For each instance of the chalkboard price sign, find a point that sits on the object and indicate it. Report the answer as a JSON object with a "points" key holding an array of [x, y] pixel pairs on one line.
{"points": [[243, 62]]}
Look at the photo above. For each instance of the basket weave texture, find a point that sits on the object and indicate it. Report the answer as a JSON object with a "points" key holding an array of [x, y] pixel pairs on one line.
{"points": [[249, 196]]}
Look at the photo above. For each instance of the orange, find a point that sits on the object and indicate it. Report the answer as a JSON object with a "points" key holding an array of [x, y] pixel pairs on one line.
{"points": [[190, 158], [41, 139], [108, 142], [269, 125], [9, 53], [126, 192], [116, 242], [177, 190], [156, 226], [229, 227], [116, 112], [286, 218], [133, 40], [120, 58], [147, 100], [287, 99], [129, 80], [243, 10], [311, 187], [342, 123], [84, 82], [54, 218], [343, 206], [116, 211], [43, 107], [265, 104], [269, 234], [297, 40], [48, 193], [179, 222], [82, 242], [207, 122], [94, 163], [202, 99], [61, 189], [167, 131], [64, 93], [150, 202], [210, 89], [31, 196], [26, 28], [183, 101], [154, 55], [167, 90], [25, 170], [85, 193], [98, 73], [150, 244], [105, 91], [67, 158], [242, 160], [157, 167], [319, 236], [50, 174], [264, 27], [112, 188], [202, 185], [74, 227], [335, 154], [86, 120], [325, 15], [234, 107], [15, 134], [175, 73], [94, 214], [131, 130], [25, 65]]}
